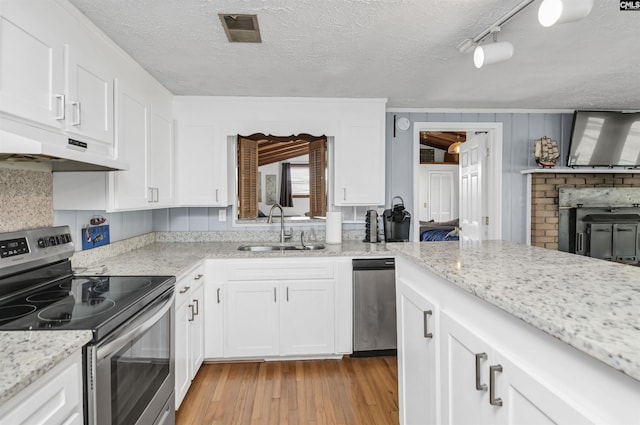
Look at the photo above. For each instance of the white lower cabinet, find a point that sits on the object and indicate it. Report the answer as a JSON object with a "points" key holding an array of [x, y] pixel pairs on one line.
{"points": [[188, 330], [502, 392], [55, 398], [481, 365], [417, 356], [307, 317], [271, 308], [279, 318]]}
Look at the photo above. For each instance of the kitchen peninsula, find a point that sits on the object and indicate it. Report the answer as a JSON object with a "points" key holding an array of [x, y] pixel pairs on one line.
{"points": [[576, 317]]}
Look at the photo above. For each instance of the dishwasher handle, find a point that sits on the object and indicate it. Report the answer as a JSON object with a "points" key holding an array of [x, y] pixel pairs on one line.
{"points": [[374, 264]]}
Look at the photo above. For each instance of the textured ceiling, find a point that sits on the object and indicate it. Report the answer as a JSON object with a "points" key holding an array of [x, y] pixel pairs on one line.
{"points": [[404, 50]]}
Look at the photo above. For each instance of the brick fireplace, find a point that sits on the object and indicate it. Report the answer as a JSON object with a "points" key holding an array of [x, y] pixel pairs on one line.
{"points": [[544, 198]]}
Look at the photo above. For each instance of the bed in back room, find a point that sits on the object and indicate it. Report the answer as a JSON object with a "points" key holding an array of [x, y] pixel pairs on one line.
{"points": [[437, 231]]}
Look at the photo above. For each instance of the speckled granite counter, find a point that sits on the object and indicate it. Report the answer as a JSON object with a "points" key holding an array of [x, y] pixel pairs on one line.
{"points": [[176, 258], [590, 304], [26, 356]]}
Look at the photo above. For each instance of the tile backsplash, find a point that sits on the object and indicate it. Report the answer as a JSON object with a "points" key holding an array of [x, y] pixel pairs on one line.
{"points": [[26, 199]]}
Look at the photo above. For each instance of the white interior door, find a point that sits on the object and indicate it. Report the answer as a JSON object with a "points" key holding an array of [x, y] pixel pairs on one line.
{"points": [[441, 195], [438, 192], [472, 196]]}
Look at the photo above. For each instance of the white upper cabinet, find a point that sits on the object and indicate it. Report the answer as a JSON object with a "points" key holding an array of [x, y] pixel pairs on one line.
{"points": [[201, 165], [360, 164], [90, 97], [161, 160], [354, 128], [130, 189], [54, 73], [32, 61]]}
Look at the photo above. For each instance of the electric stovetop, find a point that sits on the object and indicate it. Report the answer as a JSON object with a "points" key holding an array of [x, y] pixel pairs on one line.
{"points": [[96, 303]]}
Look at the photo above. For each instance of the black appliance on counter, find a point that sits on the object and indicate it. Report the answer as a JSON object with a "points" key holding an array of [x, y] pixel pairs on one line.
{"points": [[129, 363], [397, 222]]}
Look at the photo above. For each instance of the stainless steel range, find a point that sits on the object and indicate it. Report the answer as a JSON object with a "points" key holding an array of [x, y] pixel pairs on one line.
{"points": [[128, 365]]}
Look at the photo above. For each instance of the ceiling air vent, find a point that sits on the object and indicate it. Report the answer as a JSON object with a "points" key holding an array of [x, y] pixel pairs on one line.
{"points": [[241, 28]]}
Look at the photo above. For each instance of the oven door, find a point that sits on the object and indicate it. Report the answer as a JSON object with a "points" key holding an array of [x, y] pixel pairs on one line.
{"points": [[130, 375]]}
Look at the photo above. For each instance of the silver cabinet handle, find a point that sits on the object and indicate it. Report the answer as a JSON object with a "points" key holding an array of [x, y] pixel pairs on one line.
{"points": [[425, 316], [217, 200], [157, 194], [192, 313], [76, 106], [185, 289], [344, 193], [198, 277], [150, 195], [274, 295], [218, 295], [580, 241], [492, 385], [480, 386], [60, 107], [287, 294], [197, 305]]}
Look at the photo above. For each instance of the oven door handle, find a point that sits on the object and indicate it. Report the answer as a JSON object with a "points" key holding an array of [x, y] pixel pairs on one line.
{"points": [[135, 328]]}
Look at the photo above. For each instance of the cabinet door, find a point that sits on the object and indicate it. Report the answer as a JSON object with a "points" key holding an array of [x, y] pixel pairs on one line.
{"points": [[161, 167], [91, 97], [131, 187], [182, 328], [54, 399], [307, 317], [527, 401], [361, 143], [213, 313], [465, 361], [251, 319], [196, 332], [32, 61], [201, 164], [417, 358]]}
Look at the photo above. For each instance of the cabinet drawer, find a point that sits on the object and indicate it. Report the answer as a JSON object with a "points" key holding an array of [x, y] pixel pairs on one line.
{"points": [[187, 283], [280, 270]]}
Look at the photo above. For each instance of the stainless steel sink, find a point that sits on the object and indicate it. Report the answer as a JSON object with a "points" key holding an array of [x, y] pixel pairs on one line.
{"points": [[266, 248], [312, 247]]}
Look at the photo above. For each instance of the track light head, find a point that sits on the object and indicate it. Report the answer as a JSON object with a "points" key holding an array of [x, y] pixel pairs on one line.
{"points": [[560, 11], [492, 53]]}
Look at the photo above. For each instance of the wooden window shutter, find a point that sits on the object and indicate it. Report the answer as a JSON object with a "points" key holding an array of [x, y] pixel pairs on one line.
{"points": [[248, 178], [317, 178]]}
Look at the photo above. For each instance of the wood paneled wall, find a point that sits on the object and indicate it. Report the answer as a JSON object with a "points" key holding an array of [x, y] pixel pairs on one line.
{"points": [[520, 130]]}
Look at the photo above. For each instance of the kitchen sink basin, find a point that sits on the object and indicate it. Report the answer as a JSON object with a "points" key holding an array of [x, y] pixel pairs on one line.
{"points": [[266, 248]]}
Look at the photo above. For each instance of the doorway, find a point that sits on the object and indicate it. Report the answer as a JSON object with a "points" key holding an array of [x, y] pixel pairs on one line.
{"points": [[492, 173]]}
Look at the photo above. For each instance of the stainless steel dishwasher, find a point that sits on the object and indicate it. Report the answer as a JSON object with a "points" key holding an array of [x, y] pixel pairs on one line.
{"points": [[374, 307]]}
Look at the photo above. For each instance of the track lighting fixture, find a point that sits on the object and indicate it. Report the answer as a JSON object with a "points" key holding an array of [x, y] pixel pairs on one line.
{"points": [[560, 11], [493, 52]]}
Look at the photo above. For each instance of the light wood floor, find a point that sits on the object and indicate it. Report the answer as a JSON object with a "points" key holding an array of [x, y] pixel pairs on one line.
{"points": [[351, 391]]}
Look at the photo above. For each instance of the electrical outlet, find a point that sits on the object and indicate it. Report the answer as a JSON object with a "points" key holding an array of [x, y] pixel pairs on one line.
{"points": [[222, 215]]}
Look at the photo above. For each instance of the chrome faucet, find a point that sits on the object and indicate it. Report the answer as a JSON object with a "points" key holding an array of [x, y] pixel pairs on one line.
{"points": [[283, 235]]}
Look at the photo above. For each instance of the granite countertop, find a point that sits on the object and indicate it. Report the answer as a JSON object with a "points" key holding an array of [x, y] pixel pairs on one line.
{"points": [[592, 305], [27, 355], [176, 258]]}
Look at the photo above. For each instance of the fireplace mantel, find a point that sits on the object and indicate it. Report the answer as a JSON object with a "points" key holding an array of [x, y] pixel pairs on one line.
{"points": [[567, 170]]}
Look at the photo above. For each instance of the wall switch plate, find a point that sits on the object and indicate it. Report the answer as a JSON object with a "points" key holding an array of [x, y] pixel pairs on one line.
{"points": [[222, 215]]}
